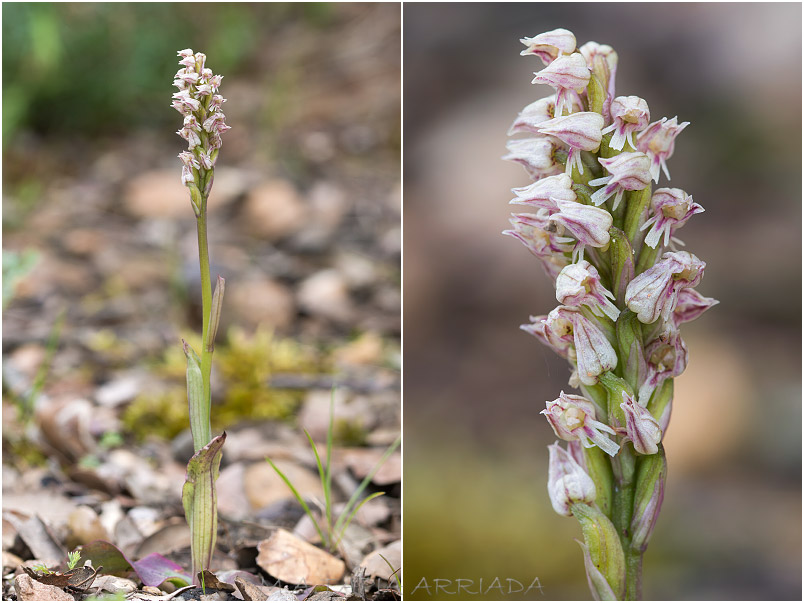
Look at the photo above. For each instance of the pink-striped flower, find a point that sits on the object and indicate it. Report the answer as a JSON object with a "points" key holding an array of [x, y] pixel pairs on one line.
{"points": [[535, 232], [657, 141], [672, 207], [580, 131], [655, 292], [690, 306], [549, 45], [568, 75], [579, 285], [628, 172], [629, 114], [562, 347], [666, 358], [544, 192], [640, 426], [573, 418], [536, 155], [567, 482], [588, 224], [593, 352]]}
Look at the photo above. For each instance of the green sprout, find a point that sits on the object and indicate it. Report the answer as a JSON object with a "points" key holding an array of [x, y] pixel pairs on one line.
{"points": [[331, 532], [72, 559]]}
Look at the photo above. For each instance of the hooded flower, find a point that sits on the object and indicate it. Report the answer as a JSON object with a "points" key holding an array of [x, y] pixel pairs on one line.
{"points": [[640, 426], [542, 239], [690, 306], [536, 155], [657, 141], [549, 45], [672, 207], [588, 224], [630, 114], [579, 131], [666, 358], [536, 113], [573, 418], [568, 75], [593, 352], [579, 285], [629, 172], [543, 193], [567, 482], [654, 293]]}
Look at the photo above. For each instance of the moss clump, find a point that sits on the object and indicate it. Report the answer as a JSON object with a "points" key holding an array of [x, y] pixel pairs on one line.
{"points": [[247, 363], [162, 414], [244, 363]]}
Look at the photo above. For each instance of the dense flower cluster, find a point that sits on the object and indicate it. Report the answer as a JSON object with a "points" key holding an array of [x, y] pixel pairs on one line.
{"points": [[197, 100], [607, 241]]}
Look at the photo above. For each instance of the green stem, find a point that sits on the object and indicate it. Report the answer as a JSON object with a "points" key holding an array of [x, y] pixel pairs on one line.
{"points": [[206, 300], [623, 466]]}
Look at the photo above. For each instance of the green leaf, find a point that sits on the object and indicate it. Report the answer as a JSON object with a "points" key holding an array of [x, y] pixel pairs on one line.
{"points": [[629, 340], [603, 542], [598, 468], [345, 514], [299, 498], [200, 502], [596, 93], [637, 204], [198, 405], [622, 264]]}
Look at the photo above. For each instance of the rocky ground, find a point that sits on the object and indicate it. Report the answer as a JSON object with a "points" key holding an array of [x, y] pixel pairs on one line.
{"points": [[306, 231]]}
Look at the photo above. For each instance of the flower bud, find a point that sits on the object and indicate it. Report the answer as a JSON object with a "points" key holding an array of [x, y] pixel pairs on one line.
{"points": [[629, 172], [672, 207], [658, 142], [602, 61], [542, 193], [651, 474], [640, 426], [629, 114], [567, 482], [579, 285], [594, 354], [654, 293], [568, 75], [549, 45], [580, 131], [573, 418]]}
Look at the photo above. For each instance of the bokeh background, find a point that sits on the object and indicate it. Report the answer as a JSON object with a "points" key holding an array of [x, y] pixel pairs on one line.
{"points": [[100, 257], [475, 469]]}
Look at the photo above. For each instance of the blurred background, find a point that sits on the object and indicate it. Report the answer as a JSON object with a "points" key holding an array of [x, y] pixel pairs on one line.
{"points": [[475, 472], [100, 257]]}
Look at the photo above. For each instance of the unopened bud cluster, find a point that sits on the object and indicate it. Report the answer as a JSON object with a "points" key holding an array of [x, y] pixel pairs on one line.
{"points": [[607, 241], [197, 100]]}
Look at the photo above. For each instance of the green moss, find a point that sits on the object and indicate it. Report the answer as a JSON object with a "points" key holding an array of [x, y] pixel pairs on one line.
{"points": [[244, 363]]}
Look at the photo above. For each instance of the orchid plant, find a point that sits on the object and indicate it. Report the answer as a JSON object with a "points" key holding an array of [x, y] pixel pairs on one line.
{"points": [[607, 242], [197, 100]]}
